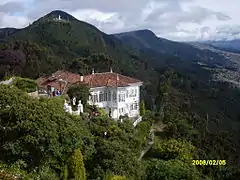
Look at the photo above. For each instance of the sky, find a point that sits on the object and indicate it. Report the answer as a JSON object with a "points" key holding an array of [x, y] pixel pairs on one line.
{"points": [[179, 20]]}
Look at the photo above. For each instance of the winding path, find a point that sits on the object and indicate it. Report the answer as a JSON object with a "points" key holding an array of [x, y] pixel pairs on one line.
{"points": [[150, 144], [158, 127]]}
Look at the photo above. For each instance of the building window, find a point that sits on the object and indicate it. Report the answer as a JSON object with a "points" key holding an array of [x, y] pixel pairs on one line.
{"points": [[127, 94], [101, 97], [133, 93], [121, 110], [131, 107], [114, 96], [95, 98], [105, 95], [109, 96], [134, 106], [121, 97]]}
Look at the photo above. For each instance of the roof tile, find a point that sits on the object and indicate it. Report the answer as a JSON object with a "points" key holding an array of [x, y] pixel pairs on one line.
{"points": [[109, 79]]}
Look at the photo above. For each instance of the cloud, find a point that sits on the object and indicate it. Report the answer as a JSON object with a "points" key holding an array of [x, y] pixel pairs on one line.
{"points": [[7, 20], [11, 7], [173, 19]]}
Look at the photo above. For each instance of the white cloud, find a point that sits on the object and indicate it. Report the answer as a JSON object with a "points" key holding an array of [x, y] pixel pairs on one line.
{"points": [[172, 19], [13, 21], [103, 21]]}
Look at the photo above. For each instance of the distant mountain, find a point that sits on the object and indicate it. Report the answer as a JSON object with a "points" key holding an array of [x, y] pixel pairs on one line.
{"points": [[145, 39], [226, 45], [5, 32], [60, 41], [66, 33], [67, 38], [51, 43]]}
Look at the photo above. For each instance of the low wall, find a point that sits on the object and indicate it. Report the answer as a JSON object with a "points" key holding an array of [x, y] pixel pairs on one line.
{"points": [[34, 94], [137, 121]]}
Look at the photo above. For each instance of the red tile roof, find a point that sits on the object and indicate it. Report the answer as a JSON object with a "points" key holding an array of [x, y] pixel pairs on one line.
{"points": [[68, 78], [109, 79]]}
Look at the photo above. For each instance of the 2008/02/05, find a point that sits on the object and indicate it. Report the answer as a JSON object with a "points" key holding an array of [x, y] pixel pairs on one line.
{"points": [[209, 162]]}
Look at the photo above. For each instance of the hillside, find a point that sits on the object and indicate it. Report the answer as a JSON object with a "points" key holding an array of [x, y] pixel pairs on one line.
{"points": [[70, 38], [5, 32], [145, 39], [227, 45], [49, 44], [196, 102]]}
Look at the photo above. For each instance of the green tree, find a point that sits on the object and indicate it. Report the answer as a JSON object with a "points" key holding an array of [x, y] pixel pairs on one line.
{"points": [[39, 132], [80, 92], [116, 150], [25, 84], [163, 89], [118, 178], [142, 108], [76, 166], [168, 149], [111, 176], [171, 170], [78, 66], [11, 172], [142, 132], [44, 173], [162, 94]]}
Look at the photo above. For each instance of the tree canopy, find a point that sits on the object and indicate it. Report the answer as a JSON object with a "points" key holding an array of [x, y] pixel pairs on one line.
{"points": [[80, 92], [37, 132]]}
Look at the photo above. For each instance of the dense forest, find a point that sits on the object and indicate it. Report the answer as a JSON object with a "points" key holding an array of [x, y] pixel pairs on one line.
{"points": [[193, 117]]}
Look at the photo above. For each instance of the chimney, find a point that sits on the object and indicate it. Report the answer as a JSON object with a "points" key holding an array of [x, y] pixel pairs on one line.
{"points": [[92, 71], [111, 70], [81, 78], [117, 77]]}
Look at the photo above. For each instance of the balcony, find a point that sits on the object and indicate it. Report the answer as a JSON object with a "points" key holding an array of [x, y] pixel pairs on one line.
{"points": [[103, 104]]}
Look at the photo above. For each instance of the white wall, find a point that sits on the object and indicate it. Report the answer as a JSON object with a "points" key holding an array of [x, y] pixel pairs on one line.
{"points": [[119, 108], [130, 100]]}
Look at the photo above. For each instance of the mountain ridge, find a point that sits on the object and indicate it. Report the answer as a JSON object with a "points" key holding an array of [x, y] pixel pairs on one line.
{"points": [[5, 32], [70, 38], [143, 39]]}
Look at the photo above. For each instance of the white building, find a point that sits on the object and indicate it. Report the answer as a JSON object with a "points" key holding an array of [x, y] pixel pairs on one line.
{"points": [[118, 95]]}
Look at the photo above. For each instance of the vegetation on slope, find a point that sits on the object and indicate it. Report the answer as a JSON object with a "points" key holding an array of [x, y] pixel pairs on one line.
{"points": [[146, 39], [39, 136], [43, 141]]}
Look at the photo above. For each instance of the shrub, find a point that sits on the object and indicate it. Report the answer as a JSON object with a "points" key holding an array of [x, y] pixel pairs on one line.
{"points": [[27, 85]]}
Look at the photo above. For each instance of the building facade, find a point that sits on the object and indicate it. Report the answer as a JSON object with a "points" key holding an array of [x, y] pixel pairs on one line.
{"points": [[117, 101], [118, 95]]}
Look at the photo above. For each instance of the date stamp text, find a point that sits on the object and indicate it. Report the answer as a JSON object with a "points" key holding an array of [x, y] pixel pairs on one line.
{"points": [[209, 162]]}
